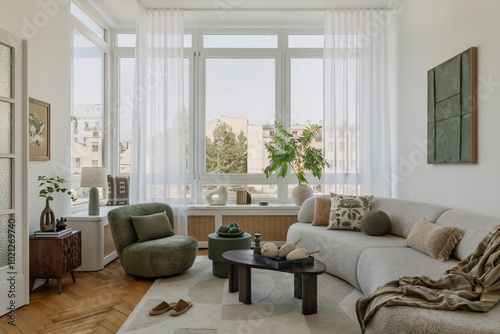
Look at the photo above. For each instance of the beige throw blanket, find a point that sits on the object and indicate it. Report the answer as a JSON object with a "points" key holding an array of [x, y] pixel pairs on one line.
{"points": [[473, 284]]}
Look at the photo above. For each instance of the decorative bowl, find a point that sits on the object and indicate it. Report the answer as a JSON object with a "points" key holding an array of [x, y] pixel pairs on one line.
{"points": [[230, 235]]}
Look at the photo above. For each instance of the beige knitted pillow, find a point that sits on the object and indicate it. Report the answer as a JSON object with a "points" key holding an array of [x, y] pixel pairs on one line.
{"points": [[322, 211], [434, 240]]}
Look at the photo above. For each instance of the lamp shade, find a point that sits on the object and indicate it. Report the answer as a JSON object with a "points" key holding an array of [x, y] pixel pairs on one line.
{"points": [[93, 177]]}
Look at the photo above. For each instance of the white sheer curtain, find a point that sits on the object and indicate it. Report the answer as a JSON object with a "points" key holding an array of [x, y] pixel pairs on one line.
{"points": [[158, 162], [356, 110]]}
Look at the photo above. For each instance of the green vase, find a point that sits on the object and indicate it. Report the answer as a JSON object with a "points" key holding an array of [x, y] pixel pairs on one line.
{"points": [[256, 243]]}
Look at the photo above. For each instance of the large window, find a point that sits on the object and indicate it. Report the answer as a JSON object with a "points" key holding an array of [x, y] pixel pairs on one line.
{"points": [[126, 86], [240, 103], [89, 102], [236, 86]]}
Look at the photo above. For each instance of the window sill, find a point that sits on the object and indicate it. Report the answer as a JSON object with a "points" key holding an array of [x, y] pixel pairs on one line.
{"points": [[243, 208]]}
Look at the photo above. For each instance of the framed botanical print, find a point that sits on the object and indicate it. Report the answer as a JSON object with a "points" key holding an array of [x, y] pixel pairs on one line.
{"points": [[39, 130]]}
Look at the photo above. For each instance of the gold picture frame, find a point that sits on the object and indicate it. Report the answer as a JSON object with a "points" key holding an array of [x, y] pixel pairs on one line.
{"points": [[39, 130]]}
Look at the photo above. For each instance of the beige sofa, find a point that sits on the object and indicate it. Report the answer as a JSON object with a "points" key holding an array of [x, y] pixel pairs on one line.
{"points": [[367, 262]]}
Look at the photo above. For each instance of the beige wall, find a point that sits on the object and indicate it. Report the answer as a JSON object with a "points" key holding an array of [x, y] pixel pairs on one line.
{"points": [[46, 25], [428, 33]]}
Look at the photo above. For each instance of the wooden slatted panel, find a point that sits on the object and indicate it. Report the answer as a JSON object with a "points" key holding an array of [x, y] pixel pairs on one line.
{"points": [[201, 226], [272, 228], [109, 245]]}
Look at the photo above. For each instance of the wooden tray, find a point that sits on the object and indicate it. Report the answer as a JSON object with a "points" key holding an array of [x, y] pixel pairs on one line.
{"points": [[282, 263]]}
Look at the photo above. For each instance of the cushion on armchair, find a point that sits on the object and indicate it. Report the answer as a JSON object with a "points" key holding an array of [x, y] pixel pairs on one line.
{"points": [[150, 227]]}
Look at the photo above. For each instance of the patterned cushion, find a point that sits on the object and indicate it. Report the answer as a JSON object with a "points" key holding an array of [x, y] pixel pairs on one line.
{"points": [[347, 211], [434, 240], [118, 190]]}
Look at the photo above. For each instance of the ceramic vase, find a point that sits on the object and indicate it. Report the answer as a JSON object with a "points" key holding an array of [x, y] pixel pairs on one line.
{"points": [[300, 193], [221, 192], [47, 218], [256, 243]]}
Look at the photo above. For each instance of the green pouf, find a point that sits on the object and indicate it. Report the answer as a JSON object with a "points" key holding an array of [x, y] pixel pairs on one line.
{"points": [[376, 222], [218, 245]]}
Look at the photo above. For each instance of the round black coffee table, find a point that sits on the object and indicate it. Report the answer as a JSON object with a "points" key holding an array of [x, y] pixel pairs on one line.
{"points": [[305, 281]]}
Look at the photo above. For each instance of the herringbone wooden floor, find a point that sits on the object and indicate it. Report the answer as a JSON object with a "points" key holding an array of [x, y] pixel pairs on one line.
{"points": [[99, 302]]}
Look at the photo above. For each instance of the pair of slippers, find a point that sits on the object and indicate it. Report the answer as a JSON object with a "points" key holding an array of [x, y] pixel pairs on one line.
{"points": [[175, 308]]}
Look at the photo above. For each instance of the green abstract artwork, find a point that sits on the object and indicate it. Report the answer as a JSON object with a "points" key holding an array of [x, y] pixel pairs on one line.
{"points": [[451, 112]]}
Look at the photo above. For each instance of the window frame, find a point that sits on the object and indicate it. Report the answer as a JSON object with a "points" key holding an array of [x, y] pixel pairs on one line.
{"points": [[103, 46], [197, 54]]}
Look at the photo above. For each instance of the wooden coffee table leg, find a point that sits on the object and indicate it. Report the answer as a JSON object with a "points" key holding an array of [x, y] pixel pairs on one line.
{"points": [[297, 286], [309, 294], [244, 282], [233, 277]]}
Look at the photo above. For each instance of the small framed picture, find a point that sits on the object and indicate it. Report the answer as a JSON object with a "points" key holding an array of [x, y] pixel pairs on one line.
{"points": [[39, 130]]}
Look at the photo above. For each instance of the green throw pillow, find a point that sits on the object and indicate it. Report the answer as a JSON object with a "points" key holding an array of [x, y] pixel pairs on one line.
{"points": [[376, 222], [152, 227]]}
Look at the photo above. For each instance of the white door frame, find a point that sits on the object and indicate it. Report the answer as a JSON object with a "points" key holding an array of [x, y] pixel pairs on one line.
{"points": [[14, 278]]}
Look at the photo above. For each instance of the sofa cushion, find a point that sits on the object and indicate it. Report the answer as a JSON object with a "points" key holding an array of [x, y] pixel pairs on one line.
{"points": [[150, 227], [322, 211], [377, 266], [435, 240], [376, 222], [474, 228], [306, 212], [339, 249], [347, 211], [404, 214], [415, 320]]}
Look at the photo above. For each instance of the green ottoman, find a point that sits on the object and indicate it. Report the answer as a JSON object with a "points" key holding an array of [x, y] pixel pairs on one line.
{"points": [[218, 245]]}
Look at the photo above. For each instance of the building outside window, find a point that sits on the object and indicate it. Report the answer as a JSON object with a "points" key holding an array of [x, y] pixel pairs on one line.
{"points": [[243, 83], [89, 67]]}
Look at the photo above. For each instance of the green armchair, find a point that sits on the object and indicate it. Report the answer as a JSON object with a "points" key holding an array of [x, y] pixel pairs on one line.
{"points": [[154, 258]]}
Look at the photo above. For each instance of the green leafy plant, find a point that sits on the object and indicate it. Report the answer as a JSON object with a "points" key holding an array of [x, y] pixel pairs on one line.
{"points": [[52, 185], [286, 152]]}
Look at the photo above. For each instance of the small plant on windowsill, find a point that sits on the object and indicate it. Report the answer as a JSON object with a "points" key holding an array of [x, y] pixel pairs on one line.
{"points": [[49, 187], [298, 154]]}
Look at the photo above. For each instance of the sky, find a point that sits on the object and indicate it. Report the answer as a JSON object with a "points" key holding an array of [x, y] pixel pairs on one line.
{"points": [[236, 87]]}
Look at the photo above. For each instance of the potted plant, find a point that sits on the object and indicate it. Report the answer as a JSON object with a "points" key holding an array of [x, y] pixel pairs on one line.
{"points": [[49, 187], [298, 154]]}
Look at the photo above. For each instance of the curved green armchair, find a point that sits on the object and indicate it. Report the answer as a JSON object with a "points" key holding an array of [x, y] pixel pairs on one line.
{"points": [[154, 258]]}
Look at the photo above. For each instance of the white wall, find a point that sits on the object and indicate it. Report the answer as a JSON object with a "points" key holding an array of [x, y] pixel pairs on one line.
{"points": [[429, 33], [46, 25]]}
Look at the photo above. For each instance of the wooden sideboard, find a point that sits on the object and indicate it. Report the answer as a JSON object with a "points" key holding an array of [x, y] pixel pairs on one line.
{"points": [[55, 257]]}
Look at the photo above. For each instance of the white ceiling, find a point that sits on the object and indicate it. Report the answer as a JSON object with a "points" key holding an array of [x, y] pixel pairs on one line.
{"points": [[122, 13]]}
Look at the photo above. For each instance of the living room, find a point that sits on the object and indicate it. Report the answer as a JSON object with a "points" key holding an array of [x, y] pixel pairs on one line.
{"points": [[76, 59]]}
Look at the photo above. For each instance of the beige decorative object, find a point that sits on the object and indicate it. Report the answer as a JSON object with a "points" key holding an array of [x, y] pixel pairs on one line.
{"points": [[221, 198], [241, 197], [434, 240], [322, 211], [300, 193]]}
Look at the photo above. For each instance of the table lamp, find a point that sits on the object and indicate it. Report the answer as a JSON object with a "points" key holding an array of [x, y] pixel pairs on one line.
{"points": [[93, 177]]}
